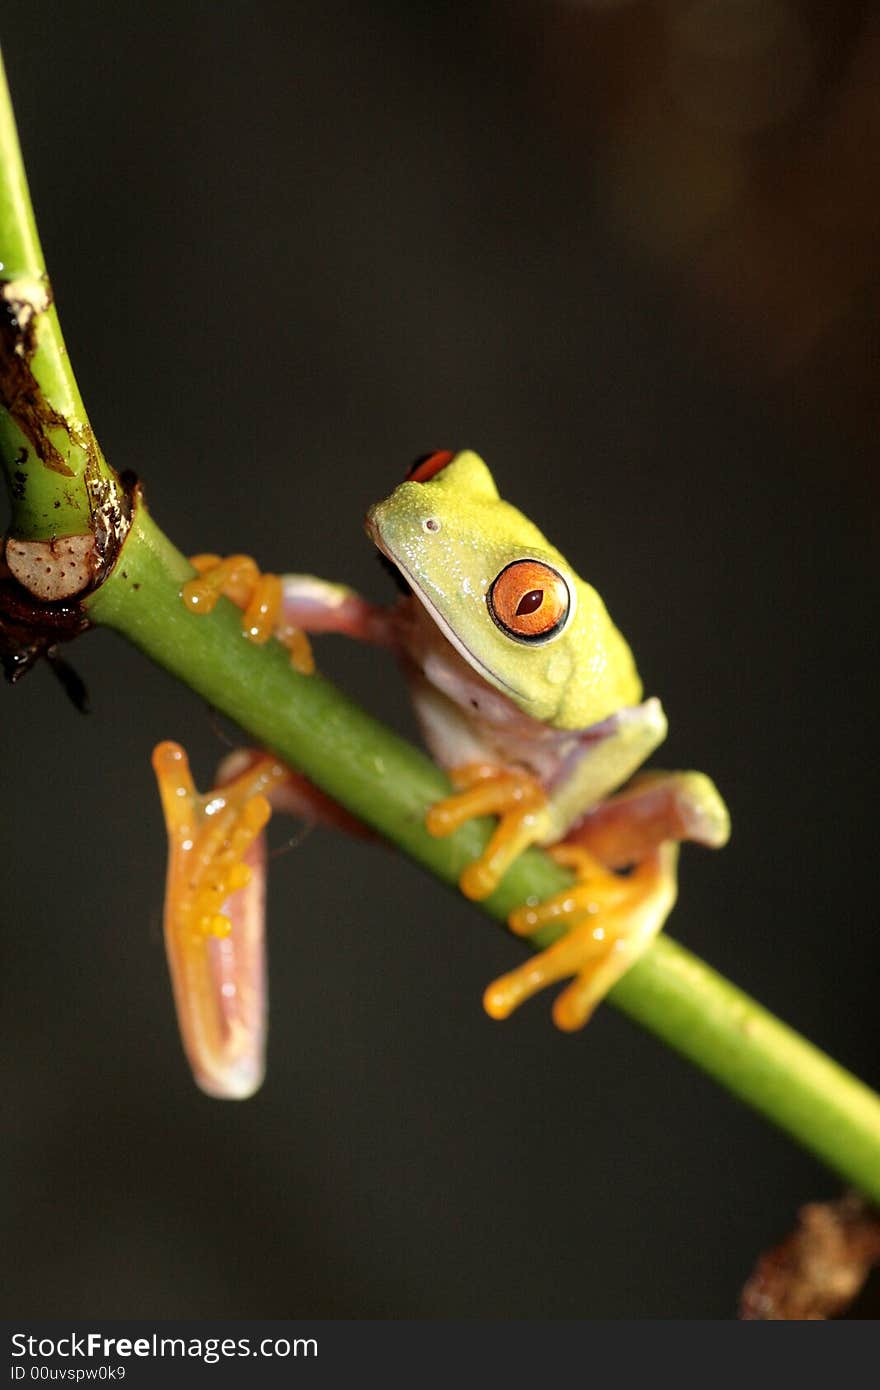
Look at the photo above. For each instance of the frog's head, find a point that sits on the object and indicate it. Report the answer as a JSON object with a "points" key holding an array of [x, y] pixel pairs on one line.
{"points": [[500, 593]]}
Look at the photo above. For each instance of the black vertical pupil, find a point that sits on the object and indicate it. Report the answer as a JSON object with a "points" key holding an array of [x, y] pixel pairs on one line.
{"points": [[530, 603]]}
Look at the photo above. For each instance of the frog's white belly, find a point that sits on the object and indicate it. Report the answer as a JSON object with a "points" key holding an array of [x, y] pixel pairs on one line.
{"points": [[464, 719]]}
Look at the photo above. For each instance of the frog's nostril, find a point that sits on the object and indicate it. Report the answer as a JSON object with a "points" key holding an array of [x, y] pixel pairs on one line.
{"points": [[430, 524]]}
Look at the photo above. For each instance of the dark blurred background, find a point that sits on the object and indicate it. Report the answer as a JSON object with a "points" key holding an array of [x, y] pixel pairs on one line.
{"points": [[629, 252]]}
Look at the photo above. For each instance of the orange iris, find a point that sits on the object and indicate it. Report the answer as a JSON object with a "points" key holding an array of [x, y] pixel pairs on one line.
{"points": [[529, 600]]}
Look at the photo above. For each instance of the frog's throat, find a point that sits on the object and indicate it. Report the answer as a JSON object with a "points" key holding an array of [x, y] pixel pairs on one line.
{"points": [[452, 638]]}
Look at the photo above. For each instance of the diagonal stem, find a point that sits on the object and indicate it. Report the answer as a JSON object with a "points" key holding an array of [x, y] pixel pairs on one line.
{"points": [[390, 785]]}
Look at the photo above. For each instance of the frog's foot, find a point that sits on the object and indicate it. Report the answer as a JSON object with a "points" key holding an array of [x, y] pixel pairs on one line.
{"points": [[259, 595], [214, 910], [485, 789], [611, 919]]}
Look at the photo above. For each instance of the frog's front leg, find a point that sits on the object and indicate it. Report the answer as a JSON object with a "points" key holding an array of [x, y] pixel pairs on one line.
{"points": [[536, 811], [287, 607], [485, 789], [259, 595]]}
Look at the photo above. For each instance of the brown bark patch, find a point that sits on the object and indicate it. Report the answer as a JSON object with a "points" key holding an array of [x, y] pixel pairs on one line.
{"points": [[22, 301]]}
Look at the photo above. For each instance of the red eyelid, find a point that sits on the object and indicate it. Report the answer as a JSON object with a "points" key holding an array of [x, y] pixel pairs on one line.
{"points": [[427, 468]]}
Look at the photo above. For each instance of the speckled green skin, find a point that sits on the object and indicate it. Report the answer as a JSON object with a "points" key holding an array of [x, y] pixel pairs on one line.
{"points": [[579, 677]]}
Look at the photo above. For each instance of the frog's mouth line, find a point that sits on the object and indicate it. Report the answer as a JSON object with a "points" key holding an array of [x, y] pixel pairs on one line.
{"points": [[452, 638]]}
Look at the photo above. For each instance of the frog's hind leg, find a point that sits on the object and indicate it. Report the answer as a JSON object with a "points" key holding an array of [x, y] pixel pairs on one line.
{"points": [[213, 919], [653, 808], [611, 920], [215, 903], [612, 916]]}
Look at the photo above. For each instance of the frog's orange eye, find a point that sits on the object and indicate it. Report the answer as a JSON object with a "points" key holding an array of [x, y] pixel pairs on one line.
{"points": [[428, 465], [530, 601]]}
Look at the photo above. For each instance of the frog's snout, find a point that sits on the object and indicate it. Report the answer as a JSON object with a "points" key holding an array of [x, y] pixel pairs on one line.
{"points": [[377, 524], [371, 522]]}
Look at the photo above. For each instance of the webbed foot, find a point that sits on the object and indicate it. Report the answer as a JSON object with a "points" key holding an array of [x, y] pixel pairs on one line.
{"points": [[611, 919]]}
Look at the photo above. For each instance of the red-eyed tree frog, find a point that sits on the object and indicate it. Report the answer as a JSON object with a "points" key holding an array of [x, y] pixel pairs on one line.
{"points": [[526, 694]]}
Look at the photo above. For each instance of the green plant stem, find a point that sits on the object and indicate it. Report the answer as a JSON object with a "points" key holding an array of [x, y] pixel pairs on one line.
{"points": [[60, 482], [389, 785], [363, 765]]}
